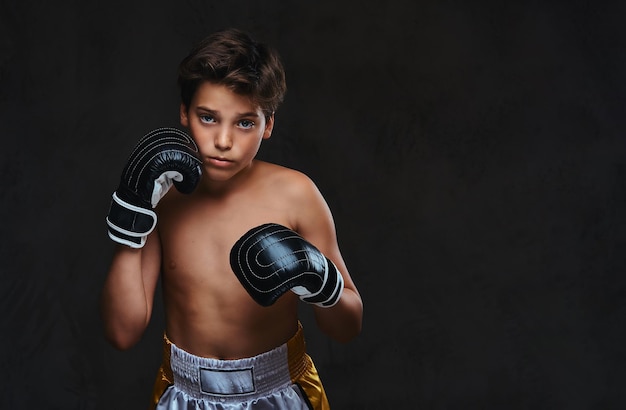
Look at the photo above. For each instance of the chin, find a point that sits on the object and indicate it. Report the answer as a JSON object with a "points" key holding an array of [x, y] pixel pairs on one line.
{"points": [[213, 176]]}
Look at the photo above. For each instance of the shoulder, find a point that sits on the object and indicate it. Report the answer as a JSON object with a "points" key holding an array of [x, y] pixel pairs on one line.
{"points": [[287, 180], [299, 195]]}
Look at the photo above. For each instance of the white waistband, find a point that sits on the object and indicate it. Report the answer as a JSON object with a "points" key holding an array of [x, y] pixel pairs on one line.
{"points": [[257, 376]]}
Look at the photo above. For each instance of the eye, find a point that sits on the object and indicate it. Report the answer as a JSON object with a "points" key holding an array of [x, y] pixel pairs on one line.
{"points": [[246, 124], [205, 118]]}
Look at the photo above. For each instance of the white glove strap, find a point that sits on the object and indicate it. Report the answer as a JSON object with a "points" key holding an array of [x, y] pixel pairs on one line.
{"points": [[141, 235]]}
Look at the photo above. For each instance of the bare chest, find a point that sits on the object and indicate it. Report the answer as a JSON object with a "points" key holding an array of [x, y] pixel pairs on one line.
{"points": [[197, 237], [207, 308]]}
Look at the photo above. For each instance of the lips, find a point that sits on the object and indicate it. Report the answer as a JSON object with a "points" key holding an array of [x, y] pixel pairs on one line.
{"points": [[219, 162]]}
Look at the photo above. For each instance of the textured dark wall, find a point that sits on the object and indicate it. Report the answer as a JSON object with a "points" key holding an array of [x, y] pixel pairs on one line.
{"points": [[473, 155]]}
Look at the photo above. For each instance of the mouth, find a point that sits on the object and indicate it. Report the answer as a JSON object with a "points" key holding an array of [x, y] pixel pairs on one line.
{"points": [[219, 161]]}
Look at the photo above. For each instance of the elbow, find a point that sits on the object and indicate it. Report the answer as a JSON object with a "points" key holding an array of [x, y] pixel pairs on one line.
{"points": [[122, 331], [347, 335], [120, 344], [121, 340], [343, 332]]}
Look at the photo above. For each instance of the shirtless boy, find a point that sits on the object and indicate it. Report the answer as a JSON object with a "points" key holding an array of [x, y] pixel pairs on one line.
{"points": [[239, 243]]}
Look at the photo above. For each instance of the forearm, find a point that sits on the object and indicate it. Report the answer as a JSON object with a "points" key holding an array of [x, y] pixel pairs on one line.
{"points": [[125, 302], [343, 321]]}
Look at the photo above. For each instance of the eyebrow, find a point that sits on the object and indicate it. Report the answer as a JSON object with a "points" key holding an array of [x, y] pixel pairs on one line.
{"points": [[245, 114]]}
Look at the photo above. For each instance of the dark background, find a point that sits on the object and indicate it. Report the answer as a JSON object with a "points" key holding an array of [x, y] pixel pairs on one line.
{"points": [[472, 154]]}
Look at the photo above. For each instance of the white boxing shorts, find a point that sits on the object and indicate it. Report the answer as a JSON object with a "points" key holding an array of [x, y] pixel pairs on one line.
{"points": [[283, 378]]}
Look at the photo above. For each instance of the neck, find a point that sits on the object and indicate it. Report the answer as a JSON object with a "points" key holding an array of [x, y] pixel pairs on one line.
{"points": [[217, 188]]}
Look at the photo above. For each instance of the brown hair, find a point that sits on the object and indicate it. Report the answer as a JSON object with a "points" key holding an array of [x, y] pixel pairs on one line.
{"points": [[232, 58]]}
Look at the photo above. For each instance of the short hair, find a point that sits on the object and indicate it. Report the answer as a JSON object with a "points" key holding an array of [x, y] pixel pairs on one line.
{"points": [[232, 58]]}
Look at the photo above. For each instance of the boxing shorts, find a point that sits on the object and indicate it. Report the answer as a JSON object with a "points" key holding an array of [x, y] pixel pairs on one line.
{"points": [[283, 378]]}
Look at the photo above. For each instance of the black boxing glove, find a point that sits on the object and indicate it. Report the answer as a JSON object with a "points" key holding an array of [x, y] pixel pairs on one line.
{"points": [[271, 259], [162, 157]]}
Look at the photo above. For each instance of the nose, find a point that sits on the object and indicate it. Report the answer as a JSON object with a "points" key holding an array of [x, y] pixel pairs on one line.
{"points": [[223, 139]]}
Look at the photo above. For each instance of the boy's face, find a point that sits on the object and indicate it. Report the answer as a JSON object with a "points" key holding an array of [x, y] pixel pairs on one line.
{"points": [[227, 128]]}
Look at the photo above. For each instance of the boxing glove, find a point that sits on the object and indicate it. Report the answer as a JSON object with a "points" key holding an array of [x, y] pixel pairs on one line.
{"points": [[271, 259], [163, 157]]}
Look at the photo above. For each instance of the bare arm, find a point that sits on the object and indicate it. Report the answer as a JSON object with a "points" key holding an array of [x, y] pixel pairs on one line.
{"points": [[315, 223], [128, 293]]}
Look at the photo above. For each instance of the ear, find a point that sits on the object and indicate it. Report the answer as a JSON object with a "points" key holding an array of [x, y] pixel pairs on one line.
{"points": [[269, 126], [184, 120]]}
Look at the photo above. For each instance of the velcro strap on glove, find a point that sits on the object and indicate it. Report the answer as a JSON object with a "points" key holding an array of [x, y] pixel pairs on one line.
{"points": [[129, 224]]}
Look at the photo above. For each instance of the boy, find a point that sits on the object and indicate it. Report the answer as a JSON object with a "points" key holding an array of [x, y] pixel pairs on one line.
{"points": [[238, 244]]}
